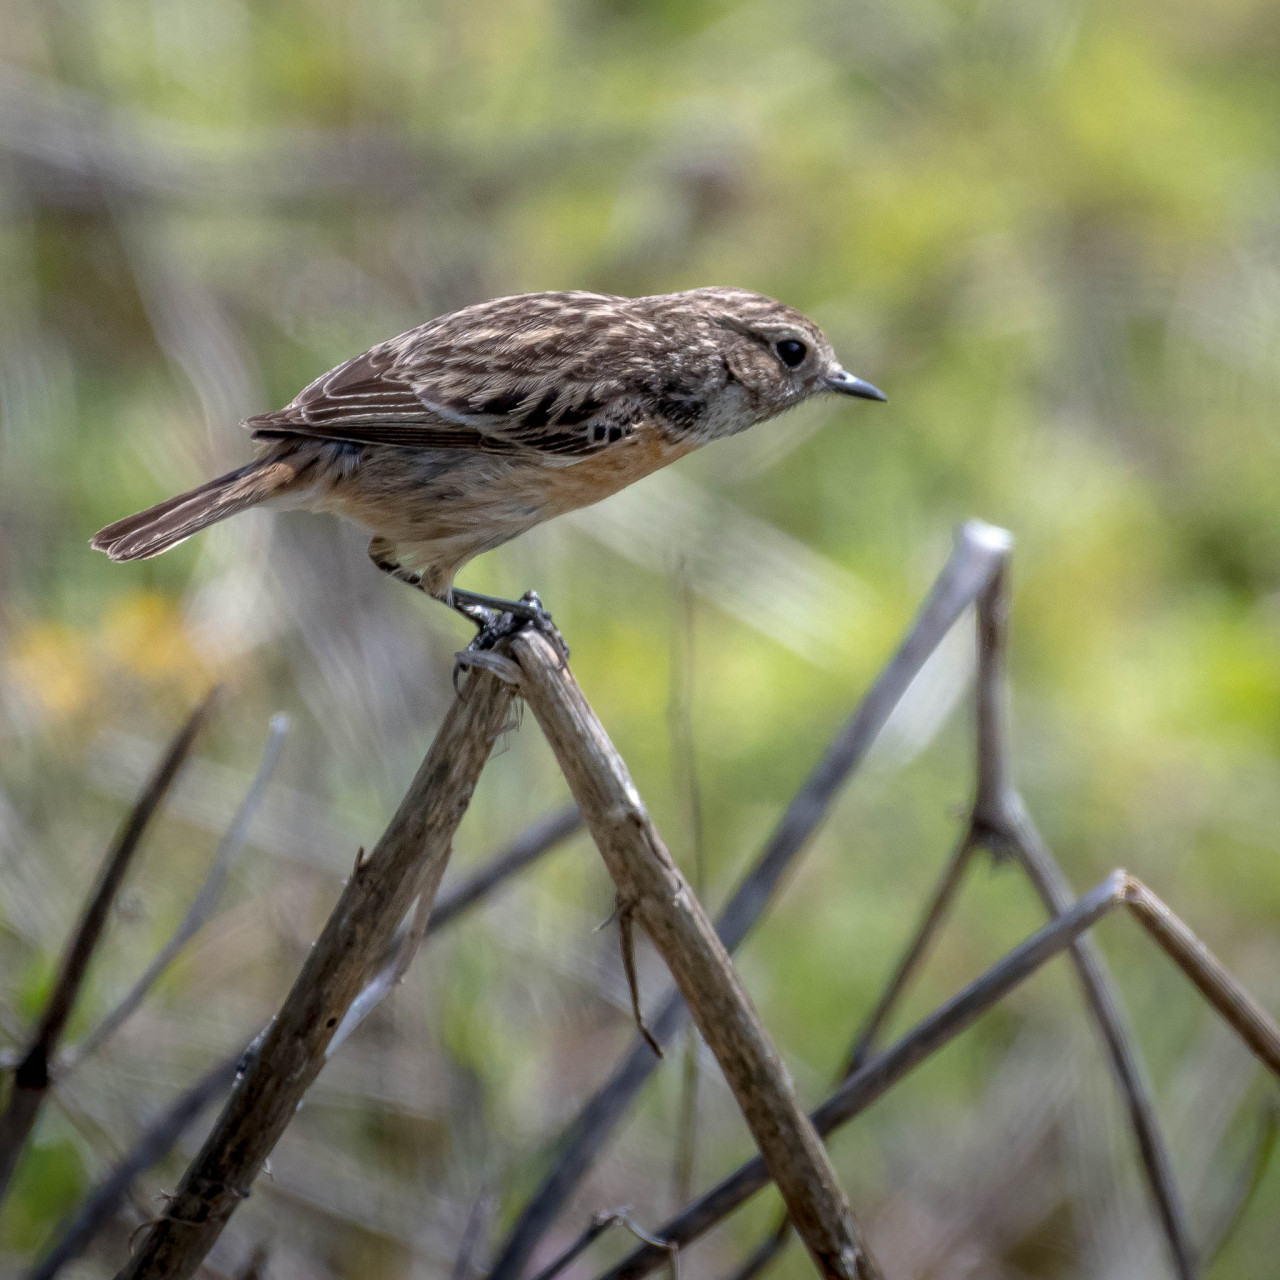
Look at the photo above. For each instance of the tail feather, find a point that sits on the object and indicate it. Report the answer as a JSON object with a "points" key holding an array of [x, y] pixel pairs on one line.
{"points": [[149, 532]]}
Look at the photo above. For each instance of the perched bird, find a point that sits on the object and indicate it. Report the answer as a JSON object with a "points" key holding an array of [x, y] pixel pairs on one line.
{"points": [[462, 433]]}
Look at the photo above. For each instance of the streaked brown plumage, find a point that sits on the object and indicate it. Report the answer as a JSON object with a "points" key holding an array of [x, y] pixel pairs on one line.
{"points": [[464, 432]]}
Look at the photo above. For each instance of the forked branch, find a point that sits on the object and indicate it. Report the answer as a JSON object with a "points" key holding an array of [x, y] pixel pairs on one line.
{"points": [[998, 821], [1001, 821]]}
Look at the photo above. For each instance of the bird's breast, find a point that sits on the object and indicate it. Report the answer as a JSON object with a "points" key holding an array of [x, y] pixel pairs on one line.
{"points": [[647, 449]]}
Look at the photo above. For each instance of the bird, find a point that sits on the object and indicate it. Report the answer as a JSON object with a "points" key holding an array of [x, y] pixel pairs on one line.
{"points": [[464, 432]]}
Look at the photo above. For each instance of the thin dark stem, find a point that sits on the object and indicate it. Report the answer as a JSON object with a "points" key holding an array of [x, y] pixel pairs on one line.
{"points": [[627, 945], [991, 698], [977, 554], [201, 909], [1002, 822], [154, 1144], [31, 1078]]}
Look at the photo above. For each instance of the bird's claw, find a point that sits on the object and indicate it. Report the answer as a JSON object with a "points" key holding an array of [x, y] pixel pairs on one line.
{"points": [[495, 626], [541, 621]]}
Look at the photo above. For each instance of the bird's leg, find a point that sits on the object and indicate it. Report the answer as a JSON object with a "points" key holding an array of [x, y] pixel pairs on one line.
{"points": [[528, 607], [380, 554], [495, 618]]}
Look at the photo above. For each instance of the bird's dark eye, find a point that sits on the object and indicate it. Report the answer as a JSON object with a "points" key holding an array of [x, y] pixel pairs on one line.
{"points": [[791, 351]]}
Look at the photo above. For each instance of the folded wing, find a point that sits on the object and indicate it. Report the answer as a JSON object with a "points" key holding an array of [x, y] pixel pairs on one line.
{"points": [[382, 398]]}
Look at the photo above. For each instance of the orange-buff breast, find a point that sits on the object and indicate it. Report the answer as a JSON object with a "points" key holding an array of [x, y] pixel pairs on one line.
{"points": [[647, 450]]}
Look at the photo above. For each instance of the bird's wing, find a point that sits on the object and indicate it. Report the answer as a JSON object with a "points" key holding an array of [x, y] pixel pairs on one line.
{"points": [[423, 395]]}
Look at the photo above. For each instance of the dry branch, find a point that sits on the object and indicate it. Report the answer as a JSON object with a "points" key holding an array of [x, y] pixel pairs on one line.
{"points": [[652, 889], [407, 863], [884, 1071], [31, 1077], [978, 552]]}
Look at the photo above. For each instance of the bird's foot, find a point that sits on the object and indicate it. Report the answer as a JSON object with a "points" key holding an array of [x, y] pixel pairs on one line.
{"points": [[497, 620]]}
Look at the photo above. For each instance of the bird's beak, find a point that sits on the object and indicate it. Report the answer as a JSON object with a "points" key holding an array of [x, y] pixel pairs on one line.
{"points": [[849, 385]]}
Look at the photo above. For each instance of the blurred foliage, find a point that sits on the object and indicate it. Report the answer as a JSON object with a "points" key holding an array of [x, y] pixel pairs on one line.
{"points": [[1049, 229]]}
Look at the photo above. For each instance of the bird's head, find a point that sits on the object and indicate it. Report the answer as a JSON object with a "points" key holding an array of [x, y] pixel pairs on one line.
{"points": [[774, 353]]}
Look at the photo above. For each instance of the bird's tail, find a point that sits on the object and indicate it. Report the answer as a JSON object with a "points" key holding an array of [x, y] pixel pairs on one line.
{"points": [[158, 528]]}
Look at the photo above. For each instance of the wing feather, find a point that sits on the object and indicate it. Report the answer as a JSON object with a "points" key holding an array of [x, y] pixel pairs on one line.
{"points": [[449, 386]]}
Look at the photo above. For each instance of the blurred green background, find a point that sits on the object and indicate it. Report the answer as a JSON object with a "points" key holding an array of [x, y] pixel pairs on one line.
{"points": [[1049, 230]]}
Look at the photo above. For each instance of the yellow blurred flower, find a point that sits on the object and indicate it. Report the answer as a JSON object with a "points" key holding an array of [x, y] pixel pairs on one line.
{"points": [[146, 635], [57, 671], [49, 668]]}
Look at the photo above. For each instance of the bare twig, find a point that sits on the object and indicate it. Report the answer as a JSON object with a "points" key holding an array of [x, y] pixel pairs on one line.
{"points": [[626, 942], [978, 552], [1251, 1022], [202, 907], [1001, 822], [31, 1077], [154, 1144], [879, 1075], [649, 881], [407, 863], [913, 957]]}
